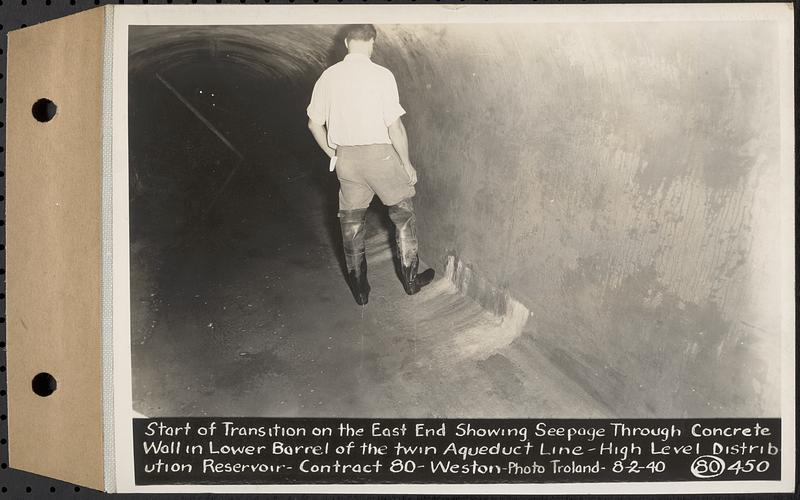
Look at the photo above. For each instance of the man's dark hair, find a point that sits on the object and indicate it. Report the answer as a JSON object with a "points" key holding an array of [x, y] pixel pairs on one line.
{"points": [[363, 32]]}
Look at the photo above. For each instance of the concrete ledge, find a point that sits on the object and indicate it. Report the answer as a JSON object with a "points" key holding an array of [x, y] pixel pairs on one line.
{"points": [[495, 300]]}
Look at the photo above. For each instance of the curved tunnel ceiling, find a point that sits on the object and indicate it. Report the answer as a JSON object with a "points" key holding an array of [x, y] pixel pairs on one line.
{"points": [[275, 52]]}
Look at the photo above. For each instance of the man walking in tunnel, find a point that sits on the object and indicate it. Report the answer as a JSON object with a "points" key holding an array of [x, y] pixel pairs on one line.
{"points": [[354, 116]]}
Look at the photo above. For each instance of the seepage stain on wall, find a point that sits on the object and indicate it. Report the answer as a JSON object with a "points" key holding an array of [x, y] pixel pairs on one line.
{"points": [[618, 180]]}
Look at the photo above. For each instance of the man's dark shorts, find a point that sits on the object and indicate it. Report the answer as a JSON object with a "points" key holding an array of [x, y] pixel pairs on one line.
{"points": [[365, 171]]}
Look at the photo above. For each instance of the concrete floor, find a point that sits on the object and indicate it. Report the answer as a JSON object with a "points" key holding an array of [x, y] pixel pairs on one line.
{"points": [[249, 315]]}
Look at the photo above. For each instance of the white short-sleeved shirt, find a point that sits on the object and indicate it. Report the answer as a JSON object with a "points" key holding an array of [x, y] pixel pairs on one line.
{"points": [[357, 100]]}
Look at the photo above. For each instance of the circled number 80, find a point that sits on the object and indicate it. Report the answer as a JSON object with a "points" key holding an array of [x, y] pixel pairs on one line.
{"points": [[708, 466]]}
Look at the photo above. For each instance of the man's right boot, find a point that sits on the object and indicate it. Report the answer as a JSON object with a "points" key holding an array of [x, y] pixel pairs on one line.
{"points": [[353, 224], [413, 282]]}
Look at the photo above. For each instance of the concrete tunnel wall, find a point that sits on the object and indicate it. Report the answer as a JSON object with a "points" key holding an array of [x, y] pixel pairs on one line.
{"points": [[617, 179]]}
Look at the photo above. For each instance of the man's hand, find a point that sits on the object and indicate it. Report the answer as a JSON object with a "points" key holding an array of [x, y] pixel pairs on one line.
{"points": [[412, 173], [320, 134], [399, 138]]}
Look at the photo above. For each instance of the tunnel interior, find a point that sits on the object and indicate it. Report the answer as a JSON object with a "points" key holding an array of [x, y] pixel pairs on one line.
{"points": [[255, 103], [612, 179]]}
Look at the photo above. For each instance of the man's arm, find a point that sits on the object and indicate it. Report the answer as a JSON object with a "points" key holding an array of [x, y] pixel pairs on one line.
{"points": [[321, 136], [399, 138]]}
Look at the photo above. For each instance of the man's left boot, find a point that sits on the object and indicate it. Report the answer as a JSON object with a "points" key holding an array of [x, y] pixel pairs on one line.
{"points": [[353, 224], [404, 219]]}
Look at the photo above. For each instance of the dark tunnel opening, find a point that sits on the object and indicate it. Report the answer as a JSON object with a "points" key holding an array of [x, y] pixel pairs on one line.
{"points": [[180, 160]]}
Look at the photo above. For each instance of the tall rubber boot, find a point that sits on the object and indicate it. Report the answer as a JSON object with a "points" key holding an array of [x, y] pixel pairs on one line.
{"points": [[404, 220], [353, 224]]}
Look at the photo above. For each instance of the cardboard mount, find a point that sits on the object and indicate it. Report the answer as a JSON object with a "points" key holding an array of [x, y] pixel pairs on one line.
{"points": [[54, 250]]}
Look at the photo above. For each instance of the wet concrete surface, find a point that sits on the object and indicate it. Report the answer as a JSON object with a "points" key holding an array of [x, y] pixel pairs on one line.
{"points": [[256, 320]]}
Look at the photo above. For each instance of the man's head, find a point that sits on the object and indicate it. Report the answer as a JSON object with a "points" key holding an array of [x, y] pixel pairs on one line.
{"points": [[359, 38]]}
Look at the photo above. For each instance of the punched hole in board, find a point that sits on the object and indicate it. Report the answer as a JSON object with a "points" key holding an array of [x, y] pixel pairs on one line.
{"points": [[44, 110], [44, 384]]}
